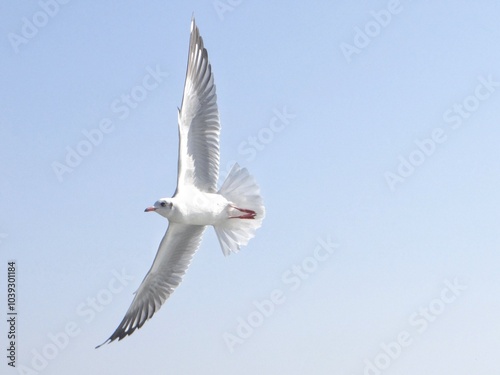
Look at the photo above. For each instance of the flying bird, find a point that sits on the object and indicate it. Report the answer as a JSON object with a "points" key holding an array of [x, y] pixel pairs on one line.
{"points": [[235, 210]]}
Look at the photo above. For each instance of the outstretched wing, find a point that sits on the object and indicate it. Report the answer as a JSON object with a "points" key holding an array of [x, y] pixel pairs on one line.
{"points": [[198, 119], [171, 262]]}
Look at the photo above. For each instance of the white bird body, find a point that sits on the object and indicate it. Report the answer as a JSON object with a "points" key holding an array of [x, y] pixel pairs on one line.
{"points": [[235, 210], [196, 207]]}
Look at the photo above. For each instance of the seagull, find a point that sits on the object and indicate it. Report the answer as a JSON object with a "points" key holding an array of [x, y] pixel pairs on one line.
{"points": [[235, 210]]}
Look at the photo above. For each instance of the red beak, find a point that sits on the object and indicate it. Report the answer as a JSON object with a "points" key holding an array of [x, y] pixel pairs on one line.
{"points": [[149, 209]]}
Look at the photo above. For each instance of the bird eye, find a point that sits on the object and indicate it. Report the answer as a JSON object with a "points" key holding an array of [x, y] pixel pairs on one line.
{"points": [[163, 204]]}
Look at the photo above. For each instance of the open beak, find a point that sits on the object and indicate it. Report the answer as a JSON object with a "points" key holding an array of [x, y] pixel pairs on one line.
{"points": [[149, 209]]}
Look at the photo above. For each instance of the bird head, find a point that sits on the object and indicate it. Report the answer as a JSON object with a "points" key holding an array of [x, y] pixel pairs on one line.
{"points": [[162, 206]]}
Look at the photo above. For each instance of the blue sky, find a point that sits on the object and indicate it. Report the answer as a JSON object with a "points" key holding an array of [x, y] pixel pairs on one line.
{"points": [[371, 127]]}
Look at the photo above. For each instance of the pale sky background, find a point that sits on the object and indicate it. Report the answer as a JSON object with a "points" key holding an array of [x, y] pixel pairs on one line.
{"points": [[322, 176]]}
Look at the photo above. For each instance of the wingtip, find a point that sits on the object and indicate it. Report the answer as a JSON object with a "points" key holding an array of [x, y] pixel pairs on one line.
{"points": [[105, 342], [193, 22]]}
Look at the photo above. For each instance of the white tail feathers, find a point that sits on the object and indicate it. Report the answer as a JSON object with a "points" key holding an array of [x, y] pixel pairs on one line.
{"points": [[241, 190]]}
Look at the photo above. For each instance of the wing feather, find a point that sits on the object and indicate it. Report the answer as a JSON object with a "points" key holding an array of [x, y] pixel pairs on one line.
{"points": [[199, 125], [171, 262]]}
